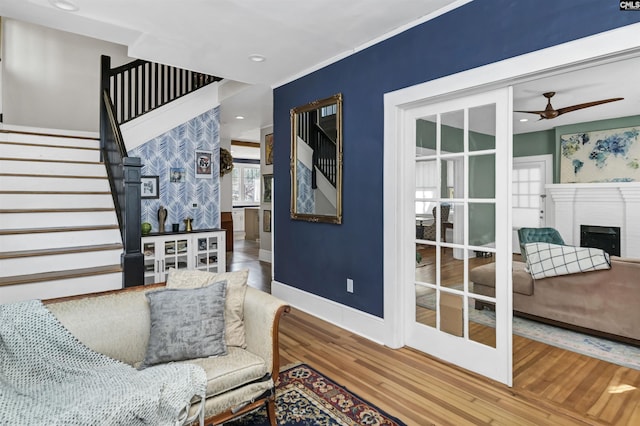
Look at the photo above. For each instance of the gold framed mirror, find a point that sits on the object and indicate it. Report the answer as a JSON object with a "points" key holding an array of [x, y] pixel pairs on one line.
{"points": [[316, 161]]}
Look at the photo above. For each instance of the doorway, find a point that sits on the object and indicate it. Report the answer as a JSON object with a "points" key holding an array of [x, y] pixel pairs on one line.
{"points": [[529, 199], [400, 199]]}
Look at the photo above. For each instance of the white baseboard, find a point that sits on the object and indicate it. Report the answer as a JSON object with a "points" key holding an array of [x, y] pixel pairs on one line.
{"points": [[358, 322], [264, 256]]}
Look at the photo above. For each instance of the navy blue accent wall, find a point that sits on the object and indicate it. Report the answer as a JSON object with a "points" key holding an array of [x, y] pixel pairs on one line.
{"points": [[318, 258]]}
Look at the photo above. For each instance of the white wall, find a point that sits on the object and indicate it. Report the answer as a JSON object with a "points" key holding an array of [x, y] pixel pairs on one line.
{"points": [[51, 78], [226, 203]]}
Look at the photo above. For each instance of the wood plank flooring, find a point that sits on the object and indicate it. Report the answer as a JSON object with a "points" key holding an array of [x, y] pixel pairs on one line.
{"points": [[551, 386]]}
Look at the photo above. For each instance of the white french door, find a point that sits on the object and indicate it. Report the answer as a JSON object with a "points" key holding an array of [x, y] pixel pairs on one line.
{"points": [[461, 165], [529, 200]]}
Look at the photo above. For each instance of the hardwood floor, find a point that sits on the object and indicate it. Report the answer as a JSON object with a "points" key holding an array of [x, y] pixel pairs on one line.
{"points": [[245, 256], [551, 386]]}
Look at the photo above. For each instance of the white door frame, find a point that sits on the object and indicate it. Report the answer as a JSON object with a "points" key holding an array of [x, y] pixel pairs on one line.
{"points": [[608, 46]]}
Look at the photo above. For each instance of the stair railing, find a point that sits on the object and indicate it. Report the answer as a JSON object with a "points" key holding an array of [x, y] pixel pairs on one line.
{"points": [[141, 86], [324, 154], [124, 178], [323, 146]]}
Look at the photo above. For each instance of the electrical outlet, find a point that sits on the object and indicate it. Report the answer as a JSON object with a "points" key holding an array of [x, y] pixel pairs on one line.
{"points": [[349, 285]]}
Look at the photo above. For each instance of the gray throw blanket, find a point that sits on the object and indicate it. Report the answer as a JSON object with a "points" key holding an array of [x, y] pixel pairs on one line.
{"points": [[49, 377]]}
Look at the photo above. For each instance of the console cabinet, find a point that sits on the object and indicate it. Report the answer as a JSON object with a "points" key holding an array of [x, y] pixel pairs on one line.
{"points": [[203, 250]]}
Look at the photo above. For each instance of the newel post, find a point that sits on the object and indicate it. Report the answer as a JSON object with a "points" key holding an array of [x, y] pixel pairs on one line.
{"points": [[132, 259]]}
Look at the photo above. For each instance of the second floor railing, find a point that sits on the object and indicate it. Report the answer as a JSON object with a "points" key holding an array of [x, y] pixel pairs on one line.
{"points": [[141, 86]]}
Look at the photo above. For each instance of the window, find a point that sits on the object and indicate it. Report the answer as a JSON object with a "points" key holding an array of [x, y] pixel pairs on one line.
{"points": [[426, 187], [526, 187], [245, 183], [423, 201]]}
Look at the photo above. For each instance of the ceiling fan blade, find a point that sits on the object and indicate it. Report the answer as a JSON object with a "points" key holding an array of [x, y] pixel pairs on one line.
{"points": [[585, 105], [532, 112]]}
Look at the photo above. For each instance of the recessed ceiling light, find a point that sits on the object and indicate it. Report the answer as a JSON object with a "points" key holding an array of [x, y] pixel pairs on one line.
{"points": [[257, 58], [524, 120], [66, 5], [239, 117]]}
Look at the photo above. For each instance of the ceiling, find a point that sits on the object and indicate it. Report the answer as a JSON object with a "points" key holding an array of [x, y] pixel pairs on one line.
{"points": [[217, 37], [610, 80]]}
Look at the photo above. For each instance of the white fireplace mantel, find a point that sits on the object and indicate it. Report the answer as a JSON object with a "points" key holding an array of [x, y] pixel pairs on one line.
{"points": [[597, 204]]}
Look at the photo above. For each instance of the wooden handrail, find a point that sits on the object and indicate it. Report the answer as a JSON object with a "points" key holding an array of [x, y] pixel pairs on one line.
{"points": [[117, 134]]}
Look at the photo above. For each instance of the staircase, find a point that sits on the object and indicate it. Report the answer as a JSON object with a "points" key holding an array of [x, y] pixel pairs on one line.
{"points": [[59, 232]]}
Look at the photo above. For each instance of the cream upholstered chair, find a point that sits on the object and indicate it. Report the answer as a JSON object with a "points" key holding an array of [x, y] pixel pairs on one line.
{"points": [[117, 324], [429, 232]]}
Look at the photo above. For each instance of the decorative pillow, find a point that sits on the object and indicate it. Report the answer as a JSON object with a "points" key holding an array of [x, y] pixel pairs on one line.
{"points": [[549, 260], [234, 305], [188, 278], [186, 324]]}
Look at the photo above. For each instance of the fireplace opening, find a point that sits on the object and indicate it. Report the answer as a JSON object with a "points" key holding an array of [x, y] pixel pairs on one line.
{"points": [[606, 238]]}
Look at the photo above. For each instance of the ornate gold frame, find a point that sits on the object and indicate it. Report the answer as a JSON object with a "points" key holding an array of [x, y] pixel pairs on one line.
{"points": [[299, 116]]}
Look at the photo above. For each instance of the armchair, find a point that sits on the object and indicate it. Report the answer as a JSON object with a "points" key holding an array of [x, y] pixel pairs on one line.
{"points": [[538, 235], [429, 232]]}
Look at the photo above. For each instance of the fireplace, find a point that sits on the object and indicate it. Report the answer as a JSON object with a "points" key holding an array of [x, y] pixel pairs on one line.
{"points": [[606, 238], [607, 204]]}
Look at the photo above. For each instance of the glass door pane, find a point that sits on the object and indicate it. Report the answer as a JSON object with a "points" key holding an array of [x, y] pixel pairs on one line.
{"points": [[461, 183]]}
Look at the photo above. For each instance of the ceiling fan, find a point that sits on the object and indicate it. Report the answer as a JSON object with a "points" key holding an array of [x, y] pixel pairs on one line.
{"points": [[548, 113]]}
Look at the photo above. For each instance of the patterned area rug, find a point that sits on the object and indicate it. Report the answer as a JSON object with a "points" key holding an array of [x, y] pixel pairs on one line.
{"points": [[306, 397], [596, 347]]}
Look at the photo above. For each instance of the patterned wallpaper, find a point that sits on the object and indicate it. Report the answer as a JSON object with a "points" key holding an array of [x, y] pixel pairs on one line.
{"points": [[305, 201], [176, 149]]}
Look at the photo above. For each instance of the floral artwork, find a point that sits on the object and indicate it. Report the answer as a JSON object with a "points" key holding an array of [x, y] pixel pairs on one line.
{"points": [[601, 156]]}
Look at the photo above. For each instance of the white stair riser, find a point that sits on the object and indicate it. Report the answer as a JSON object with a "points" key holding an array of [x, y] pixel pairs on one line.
{"points": [[43, 220], [49, 140], [60, 288], [21, 183], [38, 264], [35, 151], [53, 168], [55, 201], [58, 240]]}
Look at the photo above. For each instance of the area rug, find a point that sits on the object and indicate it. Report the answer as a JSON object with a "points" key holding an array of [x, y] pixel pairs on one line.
{"points": [[306, 397], [596, 347]]}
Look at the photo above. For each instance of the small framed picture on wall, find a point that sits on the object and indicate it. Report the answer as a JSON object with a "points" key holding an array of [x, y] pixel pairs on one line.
{"points": [[204, 164], [267, 181], [149, 187], [268, 149], [266, 221], [177, 175]]}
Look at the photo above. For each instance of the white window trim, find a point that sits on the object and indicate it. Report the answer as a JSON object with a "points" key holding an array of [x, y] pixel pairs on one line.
{"points": [[240, 167]]}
